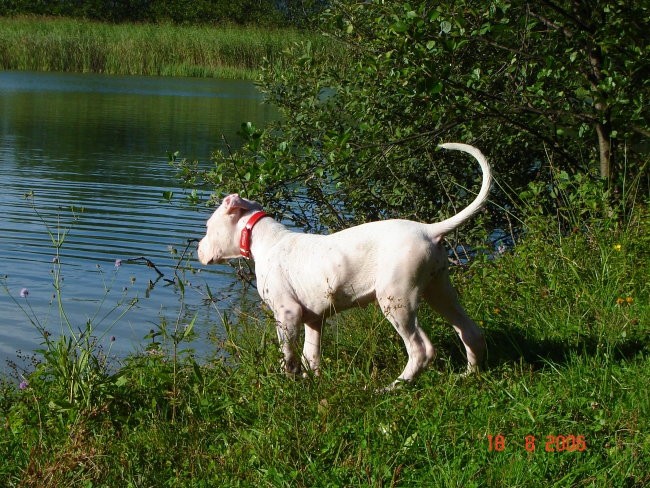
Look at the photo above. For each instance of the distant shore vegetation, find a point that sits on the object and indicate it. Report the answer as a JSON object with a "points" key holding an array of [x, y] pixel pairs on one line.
{"points": [[231, 51]]}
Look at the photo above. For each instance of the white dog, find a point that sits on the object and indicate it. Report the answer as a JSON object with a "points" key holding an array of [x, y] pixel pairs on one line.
{"points": [[305, 278]]}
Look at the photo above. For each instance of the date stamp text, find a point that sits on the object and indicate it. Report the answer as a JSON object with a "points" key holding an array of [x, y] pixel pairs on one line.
{"points": [[550, 443]]}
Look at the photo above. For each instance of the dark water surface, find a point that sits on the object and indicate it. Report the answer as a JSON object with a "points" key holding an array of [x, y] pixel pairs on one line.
{"points": [[100, 144]]}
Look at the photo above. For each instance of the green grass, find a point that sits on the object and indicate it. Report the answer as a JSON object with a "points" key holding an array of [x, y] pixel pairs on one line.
{"points": [[54, 44], [566, 318]]}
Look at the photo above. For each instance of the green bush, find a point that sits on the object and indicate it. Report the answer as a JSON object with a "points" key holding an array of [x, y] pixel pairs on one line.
{"points": [[535, 87]]}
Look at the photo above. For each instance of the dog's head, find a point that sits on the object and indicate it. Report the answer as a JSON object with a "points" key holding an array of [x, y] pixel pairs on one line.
{"points": [[221, 239]]}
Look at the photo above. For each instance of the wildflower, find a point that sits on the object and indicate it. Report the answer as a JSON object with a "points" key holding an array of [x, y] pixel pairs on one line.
{"points": [[23, 385], [620, 301], [629, 300], [617, 247], [497, 311], [118, 263], [24, 293]]}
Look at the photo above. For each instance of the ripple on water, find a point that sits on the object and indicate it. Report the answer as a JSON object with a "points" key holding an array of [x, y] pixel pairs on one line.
{"points": [[104, 151]]}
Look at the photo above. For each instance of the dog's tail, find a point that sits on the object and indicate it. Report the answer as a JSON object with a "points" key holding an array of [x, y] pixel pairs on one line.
{"points": [[442, 228]]}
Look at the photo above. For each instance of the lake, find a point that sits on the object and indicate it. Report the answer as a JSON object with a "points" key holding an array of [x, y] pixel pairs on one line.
{"points": [[100, 144]]}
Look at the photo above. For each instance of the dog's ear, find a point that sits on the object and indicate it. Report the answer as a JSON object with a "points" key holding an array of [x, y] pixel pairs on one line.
{"points": [[234, 203]]}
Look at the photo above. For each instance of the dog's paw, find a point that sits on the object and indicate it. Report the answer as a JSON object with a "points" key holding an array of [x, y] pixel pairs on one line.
{"points": [[292, 370], [472, 370], [311, 373], [398, 384]]}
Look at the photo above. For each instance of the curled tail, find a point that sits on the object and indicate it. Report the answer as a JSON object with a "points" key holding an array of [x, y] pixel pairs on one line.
{"points": [[441, 228]]}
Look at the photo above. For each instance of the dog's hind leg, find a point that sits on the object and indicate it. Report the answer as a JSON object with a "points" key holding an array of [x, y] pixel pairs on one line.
{"points": [[402, 313], [442, 297]]}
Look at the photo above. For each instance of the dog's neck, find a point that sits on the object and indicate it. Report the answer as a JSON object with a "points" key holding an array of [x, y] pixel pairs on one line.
{"points": [[264, 233], [247, 231]]}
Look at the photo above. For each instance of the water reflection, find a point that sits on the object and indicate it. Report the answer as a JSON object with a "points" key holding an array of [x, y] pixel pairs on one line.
{"points": [[100, 143]]}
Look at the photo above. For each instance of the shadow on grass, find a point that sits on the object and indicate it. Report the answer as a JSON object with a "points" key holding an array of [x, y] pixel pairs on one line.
{"points": [[512, 345]]}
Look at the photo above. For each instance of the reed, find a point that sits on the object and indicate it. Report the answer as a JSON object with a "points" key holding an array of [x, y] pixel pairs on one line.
{"points": [[56, 44]]}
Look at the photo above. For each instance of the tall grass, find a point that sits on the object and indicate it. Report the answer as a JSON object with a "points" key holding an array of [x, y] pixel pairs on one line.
{"points": [[564, 400], [52, 44]]}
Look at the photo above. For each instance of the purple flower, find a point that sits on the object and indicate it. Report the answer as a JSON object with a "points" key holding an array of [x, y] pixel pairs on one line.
{"points": [[23, 385], [24, 293], [118, 263]]}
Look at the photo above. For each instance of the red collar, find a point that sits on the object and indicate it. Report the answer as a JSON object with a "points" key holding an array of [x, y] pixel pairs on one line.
{"points": [[245, 238]]}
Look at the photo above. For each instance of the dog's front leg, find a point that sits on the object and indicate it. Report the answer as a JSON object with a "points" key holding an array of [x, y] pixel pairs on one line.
{"points": [[288, 318], [311, 348]]}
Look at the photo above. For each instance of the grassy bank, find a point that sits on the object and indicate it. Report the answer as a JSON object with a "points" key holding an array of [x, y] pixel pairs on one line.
{"points": [[564, 400], [52, 44]]}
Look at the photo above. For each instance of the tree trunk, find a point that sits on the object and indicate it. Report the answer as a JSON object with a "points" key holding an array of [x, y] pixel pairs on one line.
{"points": [[604, 149], [603, 113]]}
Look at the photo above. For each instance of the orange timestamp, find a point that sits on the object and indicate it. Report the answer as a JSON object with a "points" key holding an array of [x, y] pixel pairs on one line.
{"points": [[551, 443]]}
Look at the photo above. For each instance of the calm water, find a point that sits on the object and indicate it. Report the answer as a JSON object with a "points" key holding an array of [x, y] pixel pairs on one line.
{"points": [[100, 143]]}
